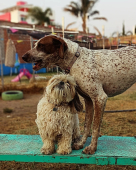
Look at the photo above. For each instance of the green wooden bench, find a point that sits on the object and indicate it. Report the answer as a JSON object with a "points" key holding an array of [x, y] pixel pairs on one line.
{"points": [[111, 151]]}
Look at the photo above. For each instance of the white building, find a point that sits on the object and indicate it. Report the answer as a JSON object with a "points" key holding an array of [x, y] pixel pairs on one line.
{"points": [[18, 13]]}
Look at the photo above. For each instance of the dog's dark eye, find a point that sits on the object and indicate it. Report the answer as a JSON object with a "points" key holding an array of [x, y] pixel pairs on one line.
{"points": [[68, 83], [41, 47]]}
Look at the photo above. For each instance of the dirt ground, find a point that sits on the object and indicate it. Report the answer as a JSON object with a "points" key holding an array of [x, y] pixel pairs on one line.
{"points": [[22, 121], [22, 118]]}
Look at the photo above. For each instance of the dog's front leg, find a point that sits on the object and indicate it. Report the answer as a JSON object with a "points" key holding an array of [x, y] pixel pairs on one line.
{"points": [[48, 146], [64, 144], [99, 105], [87, 125]]}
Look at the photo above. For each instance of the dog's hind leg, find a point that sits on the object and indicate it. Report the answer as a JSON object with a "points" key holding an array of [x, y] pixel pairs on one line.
{"points": [[87, 125], [76, 129], [99, 103]]}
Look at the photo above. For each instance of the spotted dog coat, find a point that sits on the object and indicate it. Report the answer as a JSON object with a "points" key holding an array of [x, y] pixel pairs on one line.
{"points": [[99, 74]]}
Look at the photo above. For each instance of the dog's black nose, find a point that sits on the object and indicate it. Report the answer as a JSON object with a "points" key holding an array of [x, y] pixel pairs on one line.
{"points": [[24, 57], [61, 83]]}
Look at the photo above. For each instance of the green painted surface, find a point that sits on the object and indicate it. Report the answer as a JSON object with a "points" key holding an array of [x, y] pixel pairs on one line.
{"points": [[111, 151]]}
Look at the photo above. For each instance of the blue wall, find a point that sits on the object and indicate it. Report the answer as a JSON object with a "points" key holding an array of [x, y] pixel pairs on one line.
{"points": [[28, 66]]}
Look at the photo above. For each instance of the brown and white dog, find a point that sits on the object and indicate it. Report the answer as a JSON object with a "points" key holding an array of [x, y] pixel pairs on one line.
{"points": [[99, 74]]}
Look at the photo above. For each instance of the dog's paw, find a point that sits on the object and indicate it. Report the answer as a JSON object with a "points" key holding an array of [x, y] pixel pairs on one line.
{"points": [[76, 140], [64, 151], [89, 150], [90, 135], [77, 146], [47, 151]]}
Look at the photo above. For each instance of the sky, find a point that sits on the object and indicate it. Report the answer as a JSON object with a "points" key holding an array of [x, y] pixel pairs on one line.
{"points": [[116, 12]]}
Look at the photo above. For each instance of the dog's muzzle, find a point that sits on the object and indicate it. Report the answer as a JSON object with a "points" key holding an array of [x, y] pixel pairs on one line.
{"points": [[26, 57], [61, 85]]}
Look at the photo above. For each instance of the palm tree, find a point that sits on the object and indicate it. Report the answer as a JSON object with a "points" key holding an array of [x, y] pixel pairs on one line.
{"points": [[40, 15], [85, 9], [123, 29]]}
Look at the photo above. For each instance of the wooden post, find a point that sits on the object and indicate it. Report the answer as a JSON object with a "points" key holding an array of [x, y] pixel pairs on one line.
{"points": [[31, 45], [2, 80], [57, 69], [134, 30], [110, 41], [63, 26], [10, 71], [89, 45], [52, 30], [103, 37], [117, 39]]}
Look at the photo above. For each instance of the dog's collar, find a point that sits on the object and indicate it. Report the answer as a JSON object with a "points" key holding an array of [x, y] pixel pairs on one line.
{"points": [[77, 54]]}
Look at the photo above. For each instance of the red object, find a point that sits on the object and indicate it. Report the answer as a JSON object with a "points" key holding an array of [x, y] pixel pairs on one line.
{"points": [[23, 22], [5, 17], [24, 9], [26, 73], [18, 77], [50, 26], [23, 72], [21, 3]]}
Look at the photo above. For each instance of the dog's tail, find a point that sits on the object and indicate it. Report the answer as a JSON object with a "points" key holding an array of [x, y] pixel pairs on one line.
{"points": [[76, 103]]}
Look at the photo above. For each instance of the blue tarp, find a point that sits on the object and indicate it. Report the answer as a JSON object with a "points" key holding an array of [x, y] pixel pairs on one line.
{"points": [[28, 66]]}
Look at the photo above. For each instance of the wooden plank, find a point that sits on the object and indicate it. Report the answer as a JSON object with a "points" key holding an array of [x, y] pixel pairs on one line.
{"points": [[111, 151]]}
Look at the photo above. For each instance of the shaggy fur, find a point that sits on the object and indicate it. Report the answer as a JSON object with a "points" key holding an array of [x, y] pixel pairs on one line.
{"points": [[99, 74], [57, 118]]}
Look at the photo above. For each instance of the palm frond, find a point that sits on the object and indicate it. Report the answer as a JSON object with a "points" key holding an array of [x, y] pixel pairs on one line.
{"points": [[100, 18], [114, 33], [39, 15], [70, 24], [89, 4], [75, 4], [47, 19], [129, 32], [93, 13], [84, 7], [97, 31], [72, 10], [48, 11]]}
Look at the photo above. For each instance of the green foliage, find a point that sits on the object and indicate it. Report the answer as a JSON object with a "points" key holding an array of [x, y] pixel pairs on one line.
{"points": [[40, 15]]}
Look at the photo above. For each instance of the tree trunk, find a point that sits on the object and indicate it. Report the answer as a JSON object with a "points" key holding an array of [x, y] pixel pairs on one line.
{"points": [[84, 23]]}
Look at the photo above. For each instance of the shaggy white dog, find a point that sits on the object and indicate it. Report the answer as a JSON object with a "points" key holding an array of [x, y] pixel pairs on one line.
{"points": [[57, 117]]}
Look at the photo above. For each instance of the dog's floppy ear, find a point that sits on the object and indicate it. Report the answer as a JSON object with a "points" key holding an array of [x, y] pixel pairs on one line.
{"points": [[76, 104], [62, 45], [61, 51], [50, 43]]}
